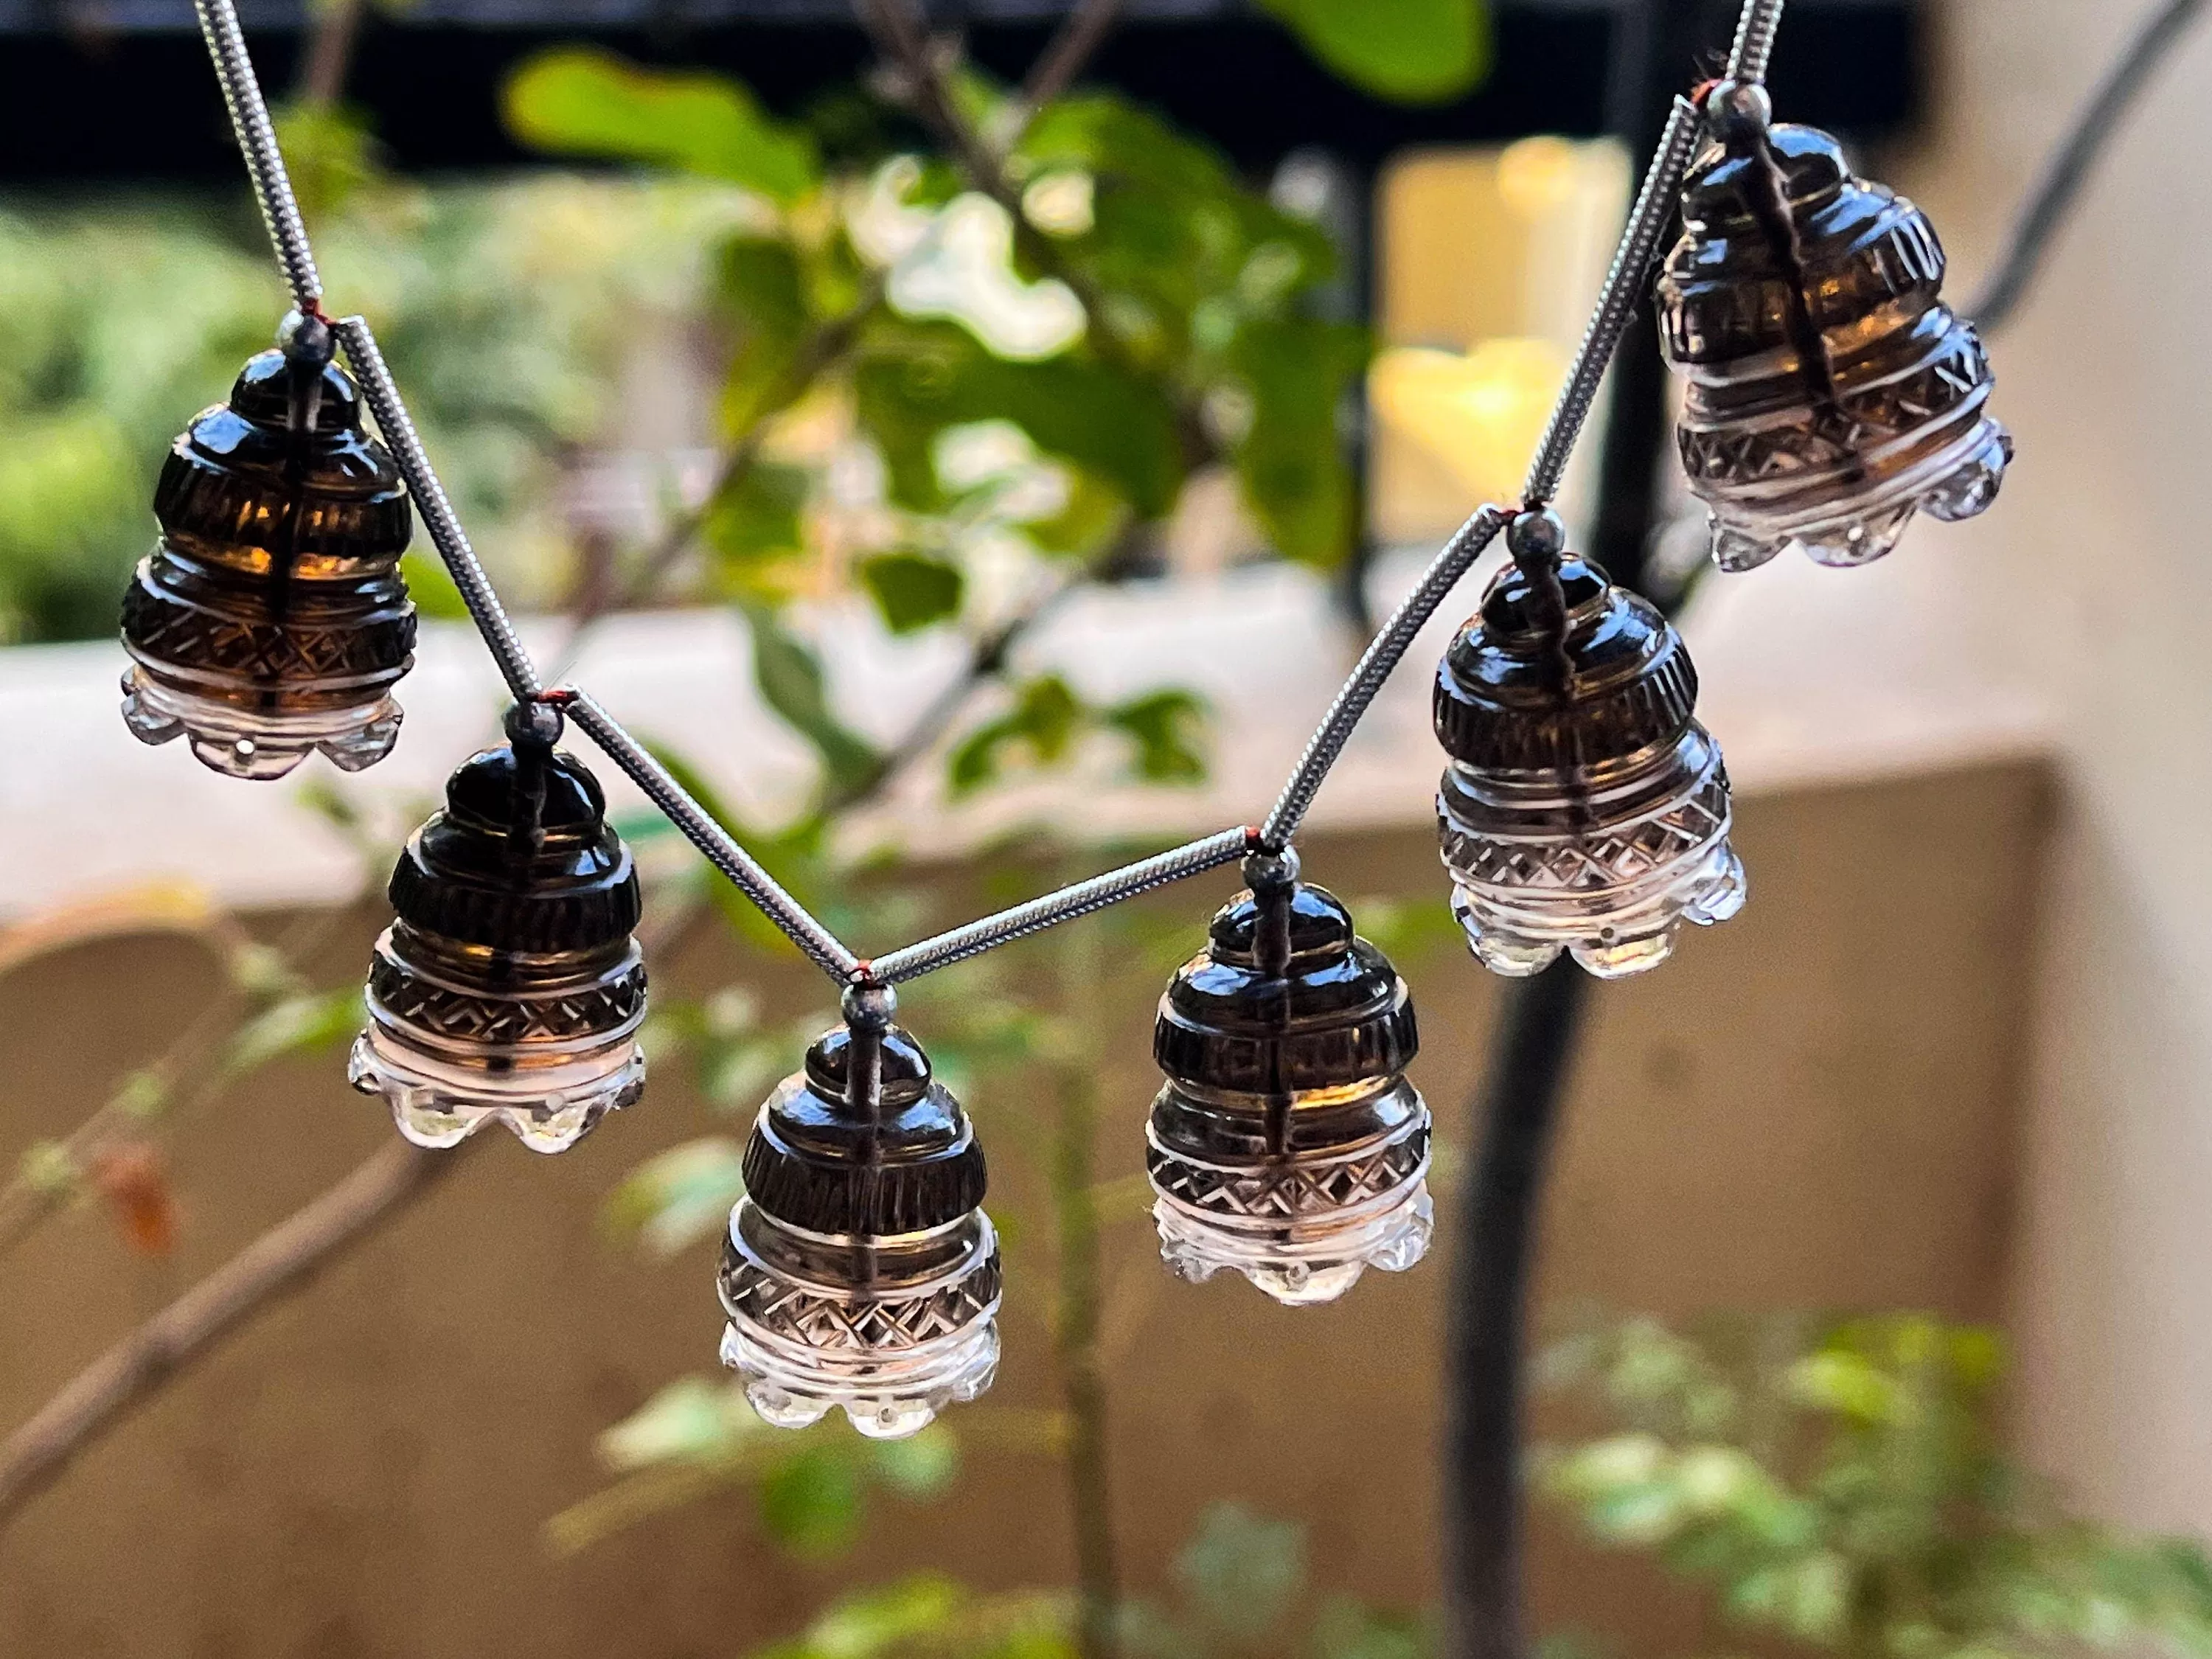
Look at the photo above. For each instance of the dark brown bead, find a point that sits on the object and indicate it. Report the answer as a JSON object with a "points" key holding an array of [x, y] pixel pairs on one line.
{"points": [[270, 619]]}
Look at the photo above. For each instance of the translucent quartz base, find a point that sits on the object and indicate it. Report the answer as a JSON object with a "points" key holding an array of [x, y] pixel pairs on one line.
{"points": [[889, 1331], [1350, 1194], [243, 743], [439, 1103], [1610, 869], [1298, 1270], [1957, 483]]}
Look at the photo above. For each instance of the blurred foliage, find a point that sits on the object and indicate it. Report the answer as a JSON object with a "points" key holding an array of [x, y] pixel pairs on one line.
{"points": [[1844, 1487], [1240, 1588], [504, 309]]}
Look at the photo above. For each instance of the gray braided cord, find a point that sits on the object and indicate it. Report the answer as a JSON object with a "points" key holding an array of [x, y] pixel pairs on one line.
{"points": [[438, 516], [699, 828], [1375, 667], [1754, 40], [1624, 289], [257, 139], [1066, 905]]}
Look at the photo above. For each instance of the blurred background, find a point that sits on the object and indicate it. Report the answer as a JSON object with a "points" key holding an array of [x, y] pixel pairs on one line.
{"points": [[957, 534]]}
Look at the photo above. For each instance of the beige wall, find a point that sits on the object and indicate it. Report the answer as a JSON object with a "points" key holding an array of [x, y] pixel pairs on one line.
{"points": [[1816, 1105], [2094, 575]]}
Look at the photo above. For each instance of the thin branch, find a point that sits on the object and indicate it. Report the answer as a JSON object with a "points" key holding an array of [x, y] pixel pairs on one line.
{"points": [[280, 1262], [823, 349], [1080, 35], [329, 57], [2052, 202]]}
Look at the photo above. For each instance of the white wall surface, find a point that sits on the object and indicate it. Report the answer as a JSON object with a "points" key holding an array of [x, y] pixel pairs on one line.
{"points": [[2094, 576]]}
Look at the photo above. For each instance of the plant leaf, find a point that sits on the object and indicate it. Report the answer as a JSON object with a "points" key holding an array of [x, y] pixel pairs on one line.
{"points": [[1165, 727], [672, 1201], [762, 288], [300, 1024], [1413, 52], [1292, 460], [792, 683], [575, 100], [911, 591], [810, 1503], [1242, 1571]]}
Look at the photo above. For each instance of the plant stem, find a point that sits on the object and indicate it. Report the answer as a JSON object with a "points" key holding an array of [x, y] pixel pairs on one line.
{"points": [[1083, 1382], [283, 1260], [1518, 1106]]}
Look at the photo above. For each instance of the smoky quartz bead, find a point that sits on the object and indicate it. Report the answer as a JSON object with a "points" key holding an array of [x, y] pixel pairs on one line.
{"points": [[1829, 393], [860, 1271], [270, 619], [1288, 1144], [509, 989], [1585, 809]]}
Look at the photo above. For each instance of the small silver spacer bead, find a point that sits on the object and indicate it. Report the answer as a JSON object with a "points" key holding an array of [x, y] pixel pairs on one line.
{"points": [[1739, 111], [305, 340], [869, 1006], [1538, 536], [538, 724]]}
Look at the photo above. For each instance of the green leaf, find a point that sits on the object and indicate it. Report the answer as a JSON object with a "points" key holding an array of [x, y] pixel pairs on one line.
{"points": [[577, 101], [672, 1201], [791, 682], [762, 288], [918, 379], [1044, 720], [810, 1503], [1242, 1571], [1346, 1630], [920, 1467], [912, 591], [1291, 461], [1413, 52], [1165, 727], [876, 1621], [430, 585], [302, 1024], [756, 519], [692, 1420]]}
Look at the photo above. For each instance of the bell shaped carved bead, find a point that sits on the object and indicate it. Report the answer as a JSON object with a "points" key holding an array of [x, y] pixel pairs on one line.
{"points": [[1585, 809], [1829, 393], [860, 1271], [270, 619], [508, 989], [1288, 1144]]}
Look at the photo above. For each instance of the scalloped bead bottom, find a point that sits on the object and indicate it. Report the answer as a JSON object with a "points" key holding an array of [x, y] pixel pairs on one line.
{"points": [[1297, 1271], [1632, 936], [438, 1103], [887, 1399], [1958, 485], [245, 744]]}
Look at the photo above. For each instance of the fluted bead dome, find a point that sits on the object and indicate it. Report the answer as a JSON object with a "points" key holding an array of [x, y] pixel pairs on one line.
{"points": [[270, 619], [860, 1272], [1288, 1144], [1505, 701], [1830, 393], [509, 989]]}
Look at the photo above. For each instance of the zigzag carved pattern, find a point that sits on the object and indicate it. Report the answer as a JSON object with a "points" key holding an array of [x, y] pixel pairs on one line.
{"points": [[503, 1020], [1594, 863], [1292, 1192], [861, 1327], [289, 651]]}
